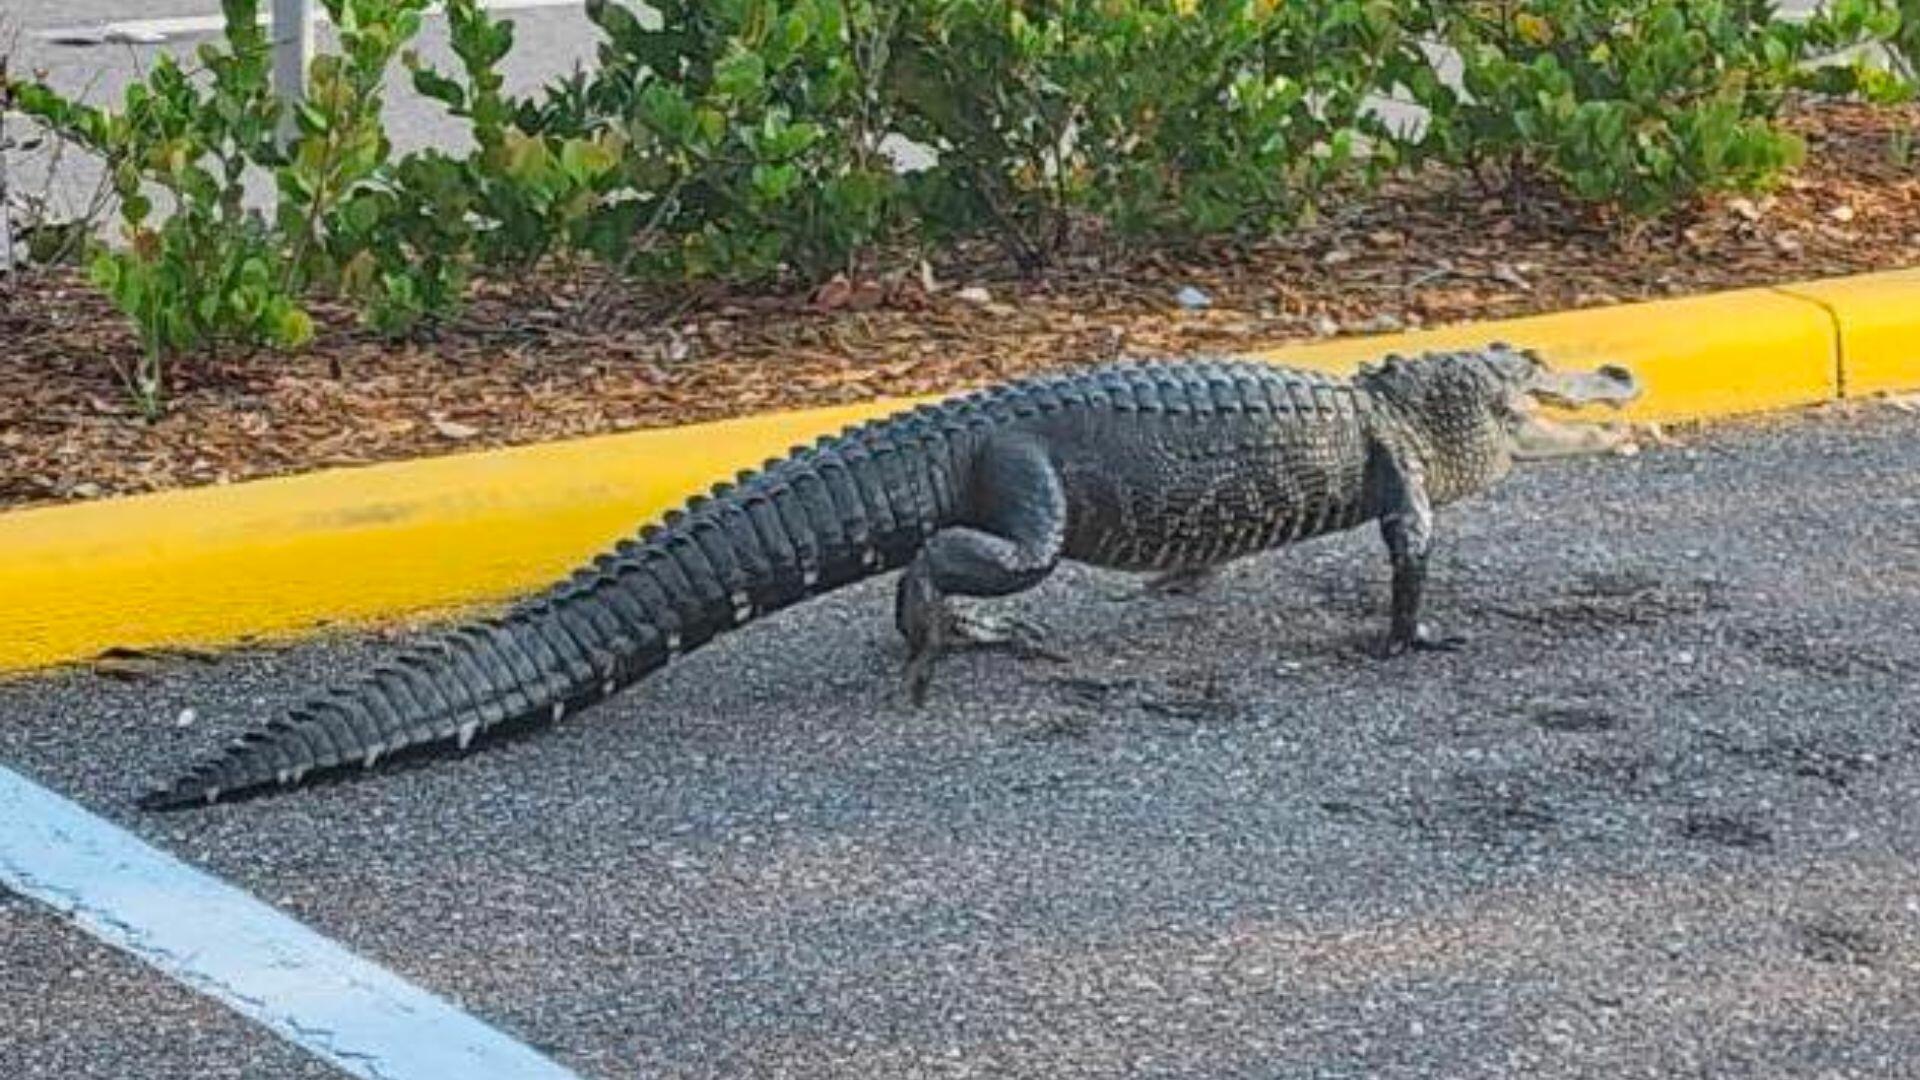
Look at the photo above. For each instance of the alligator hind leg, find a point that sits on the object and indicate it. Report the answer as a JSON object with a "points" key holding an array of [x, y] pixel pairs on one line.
{"points": [[1010, 544]]}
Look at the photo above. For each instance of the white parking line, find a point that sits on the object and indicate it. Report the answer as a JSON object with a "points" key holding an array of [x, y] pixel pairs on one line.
{"points": [[154, 31], [258, 962]]}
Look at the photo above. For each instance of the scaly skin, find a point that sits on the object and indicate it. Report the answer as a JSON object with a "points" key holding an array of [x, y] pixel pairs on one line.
{"points": [[1173, 467]]}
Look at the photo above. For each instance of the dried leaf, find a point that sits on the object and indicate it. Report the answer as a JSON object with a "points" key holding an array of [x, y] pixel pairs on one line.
{"points": [[453, 429]]}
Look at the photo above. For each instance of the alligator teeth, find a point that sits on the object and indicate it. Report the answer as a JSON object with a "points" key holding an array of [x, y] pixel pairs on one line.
{"points": [[467, 731], [283, 777], [673, 646], [213, 795], [559, 710], [298, 773], [373, 755], [607, 688], [809, 577]]}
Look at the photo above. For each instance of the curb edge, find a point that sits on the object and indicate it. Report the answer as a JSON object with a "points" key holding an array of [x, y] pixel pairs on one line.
{"points": [[281, 557]]}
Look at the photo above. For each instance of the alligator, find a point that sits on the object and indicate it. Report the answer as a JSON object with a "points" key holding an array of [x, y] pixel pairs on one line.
{"points": [[1174, 467]]}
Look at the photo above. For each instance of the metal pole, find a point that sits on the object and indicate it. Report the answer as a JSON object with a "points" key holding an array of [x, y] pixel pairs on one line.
{"points": [[292, 49], [6, 193]]}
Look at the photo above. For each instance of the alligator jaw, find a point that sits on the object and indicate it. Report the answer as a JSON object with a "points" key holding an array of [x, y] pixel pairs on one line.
{"points": [[1607, 385], [1535, 437]]}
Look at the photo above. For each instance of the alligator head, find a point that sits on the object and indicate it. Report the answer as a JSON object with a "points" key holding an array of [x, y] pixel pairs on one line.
{"points": [[1478, 411], [1530, 384]]}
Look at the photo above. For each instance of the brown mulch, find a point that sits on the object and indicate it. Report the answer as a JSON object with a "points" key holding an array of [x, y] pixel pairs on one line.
{"points": [[526, 365]]}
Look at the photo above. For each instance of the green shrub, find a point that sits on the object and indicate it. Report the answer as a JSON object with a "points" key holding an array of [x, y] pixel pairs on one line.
{"points": [[1638, 106], [1154, 118], [532, 194], [209, 270], [392, 237], [746, 133], [1906, 39], [401, 243], [742, 139]]}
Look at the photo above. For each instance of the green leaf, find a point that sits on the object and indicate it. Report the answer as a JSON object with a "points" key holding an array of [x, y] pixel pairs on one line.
{"points": [[665, 110], [104, 272], [773, 182], [432, 84], [741, 76], [527, 159], [292, 328], [585, 160]]}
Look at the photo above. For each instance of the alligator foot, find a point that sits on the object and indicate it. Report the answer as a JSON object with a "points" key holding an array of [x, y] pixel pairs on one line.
{"points": [[1183, 582], [919, 673], [1024, 639], [936, 630], [927, 623], [1420, 640]]}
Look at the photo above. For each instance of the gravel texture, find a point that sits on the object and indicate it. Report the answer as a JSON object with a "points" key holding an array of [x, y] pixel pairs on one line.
{"points": [[72, 1007], [1662, 817]]}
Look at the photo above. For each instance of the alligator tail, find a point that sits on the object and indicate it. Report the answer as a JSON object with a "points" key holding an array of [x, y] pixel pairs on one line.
{"points": [[848, 508]]}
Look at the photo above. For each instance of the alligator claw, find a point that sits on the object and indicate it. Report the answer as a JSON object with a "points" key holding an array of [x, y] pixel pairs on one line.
{"points": [[1187, 582], [1421, 640], [1018, 636], [950, 630]]}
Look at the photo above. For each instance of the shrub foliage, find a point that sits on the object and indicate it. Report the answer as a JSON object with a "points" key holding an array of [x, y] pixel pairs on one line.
{"points": [[753, 140], [1638, 106], [1154, 119]]}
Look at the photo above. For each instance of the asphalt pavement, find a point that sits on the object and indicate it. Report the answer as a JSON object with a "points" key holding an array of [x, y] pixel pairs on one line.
{"points": [[1660, 818]]}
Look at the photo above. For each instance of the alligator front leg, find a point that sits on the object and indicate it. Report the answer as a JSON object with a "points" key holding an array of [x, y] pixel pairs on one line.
{"points": [[1407, 633], [1020, 513], [1407, 528]]}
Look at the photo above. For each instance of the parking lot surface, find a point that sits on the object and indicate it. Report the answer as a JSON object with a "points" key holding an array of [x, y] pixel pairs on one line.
{"points": [[1661, 817]]}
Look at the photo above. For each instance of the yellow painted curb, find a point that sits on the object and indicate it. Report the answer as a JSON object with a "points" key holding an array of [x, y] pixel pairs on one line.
{"points": [[277, 557], [207, 566], [1878, 317], [1698, 357]]}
